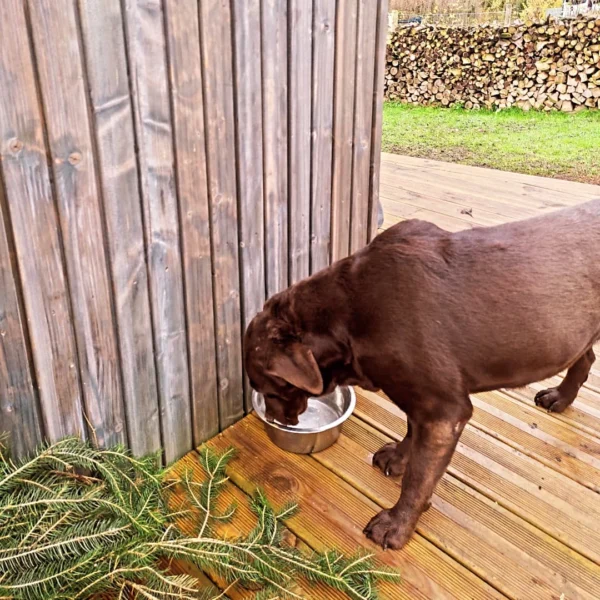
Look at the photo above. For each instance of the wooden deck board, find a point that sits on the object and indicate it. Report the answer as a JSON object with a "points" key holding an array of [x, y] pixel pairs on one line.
{"points": [[496, 544], [534, 434], [245, 521], [516, 516], [580, 414], [471, 543], [333, 514], [535, 492], [478, 178]]}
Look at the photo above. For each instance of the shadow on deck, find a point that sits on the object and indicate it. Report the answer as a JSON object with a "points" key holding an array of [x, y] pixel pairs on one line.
{"points": [[517, 515]]}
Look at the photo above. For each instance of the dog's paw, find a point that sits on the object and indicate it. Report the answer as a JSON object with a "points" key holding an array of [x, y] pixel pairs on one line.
{"points": [[552, 400], [390, 460], [388, 531]]}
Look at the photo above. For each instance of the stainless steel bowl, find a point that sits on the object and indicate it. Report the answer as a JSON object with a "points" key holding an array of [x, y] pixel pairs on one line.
{"points": [[319, 426]]}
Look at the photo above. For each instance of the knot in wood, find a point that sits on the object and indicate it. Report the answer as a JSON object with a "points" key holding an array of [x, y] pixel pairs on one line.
{"points": [[283, 482], [15, 145], [75, 158]]}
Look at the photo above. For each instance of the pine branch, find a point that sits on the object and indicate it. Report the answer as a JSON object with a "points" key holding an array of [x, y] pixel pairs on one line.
{"points": [[78, 521]]}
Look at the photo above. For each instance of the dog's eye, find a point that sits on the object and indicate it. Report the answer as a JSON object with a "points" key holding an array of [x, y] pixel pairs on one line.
{"points": [[288, 387]]}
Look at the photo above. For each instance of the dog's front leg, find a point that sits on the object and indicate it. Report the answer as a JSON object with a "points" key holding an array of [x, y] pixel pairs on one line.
{"points": [[434, 440]]}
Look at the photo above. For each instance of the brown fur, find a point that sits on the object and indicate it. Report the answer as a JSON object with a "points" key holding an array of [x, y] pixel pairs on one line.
{"points": [[430, 317]]}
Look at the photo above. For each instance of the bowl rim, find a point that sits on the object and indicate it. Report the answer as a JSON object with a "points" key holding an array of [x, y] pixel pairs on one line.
{"points": [[291, 429]]}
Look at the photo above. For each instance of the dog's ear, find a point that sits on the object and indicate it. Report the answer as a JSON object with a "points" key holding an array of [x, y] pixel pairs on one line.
{"points": [[297, 366]]}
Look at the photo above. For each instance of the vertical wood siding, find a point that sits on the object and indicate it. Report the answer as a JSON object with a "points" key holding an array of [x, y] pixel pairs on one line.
{"points": [[166, 166]]}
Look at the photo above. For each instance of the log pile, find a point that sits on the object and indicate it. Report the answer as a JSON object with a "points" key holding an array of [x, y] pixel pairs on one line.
{"points": [[545, 66]]}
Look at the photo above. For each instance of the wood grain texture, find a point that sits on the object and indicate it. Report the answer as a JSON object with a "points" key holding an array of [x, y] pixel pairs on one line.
{"points": [[217, 63], [366, 45], [150, 86], [167, 166], [60, 66], [275, 136], [548, 500], [300, 78], [512, 417], [190, 144], [19, 412], [322, 131], [343, 128], [249, 148], [582, 415], [36, 231], [513, 189], [516, 514], [104, 44], [245, 521], [427, 572], [377, 118], [493, 542]]}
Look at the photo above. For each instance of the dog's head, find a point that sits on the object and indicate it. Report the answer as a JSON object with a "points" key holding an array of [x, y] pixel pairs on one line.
{"points": [[280, 366]]}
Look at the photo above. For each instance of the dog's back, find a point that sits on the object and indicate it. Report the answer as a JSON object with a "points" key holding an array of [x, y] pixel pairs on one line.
{"points": [[532, 290], [510, 304]]}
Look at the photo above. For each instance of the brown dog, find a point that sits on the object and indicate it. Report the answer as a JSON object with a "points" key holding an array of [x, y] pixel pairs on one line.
{"points": [[430, 317]]}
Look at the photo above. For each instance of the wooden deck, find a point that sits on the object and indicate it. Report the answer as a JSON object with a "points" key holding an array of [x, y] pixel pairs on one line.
{"points": [[518, 513]]}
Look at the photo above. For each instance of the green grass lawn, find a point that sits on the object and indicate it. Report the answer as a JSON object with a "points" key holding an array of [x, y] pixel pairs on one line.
{"points": [[559, 145]]}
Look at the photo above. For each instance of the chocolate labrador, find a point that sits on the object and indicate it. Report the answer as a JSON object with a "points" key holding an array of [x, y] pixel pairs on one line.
{"points": [[430, 317]]}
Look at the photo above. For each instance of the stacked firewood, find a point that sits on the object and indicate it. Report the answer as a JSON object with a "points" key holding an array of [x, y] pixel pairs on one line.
{"points": [[546, 66]]}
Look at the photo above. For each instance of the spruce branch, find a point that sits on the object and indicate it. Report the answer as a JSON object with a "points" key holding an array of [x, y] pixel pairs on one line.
{"points": [[78, 521]]}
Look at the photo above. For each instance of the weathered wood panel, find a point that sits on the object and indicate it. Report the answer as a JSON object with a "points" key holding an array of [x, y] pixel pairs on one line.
{"points": [[149, 80], [190, 146], [217, 63], [106, 62], [60, 68], [36, 231], [19, 412], [275, 136], [343, 132], [363, 119], [300, 77], [322, 131], [168, 165], [377, 118], [249, 158]]}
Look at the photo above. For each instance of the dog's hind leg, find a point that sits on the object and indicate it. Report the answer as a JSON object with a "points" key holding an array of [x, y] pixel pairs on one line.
{"points": [[392, 458], [557, 399]]}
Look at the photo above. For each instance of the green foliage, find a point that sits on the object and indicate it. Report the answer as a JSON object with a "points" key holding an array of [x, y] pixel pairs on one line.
{"points": [[551, 144], [77, 522]]}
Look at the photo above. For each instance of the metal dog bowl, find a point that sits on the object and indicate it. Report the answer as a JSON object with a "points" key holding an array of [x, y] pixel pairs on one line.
{"points": [[319, 426]]}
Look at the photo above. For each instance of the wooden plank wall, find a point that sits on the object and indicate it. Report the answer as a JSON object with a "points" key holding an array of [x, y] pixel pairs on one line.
{"points": [[167, 165]]}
